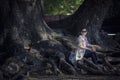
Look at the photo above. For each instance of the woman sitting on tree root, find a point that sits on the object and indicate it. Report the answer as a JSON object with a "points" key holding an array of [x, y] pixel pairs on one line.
{"points": [[84, 49]]}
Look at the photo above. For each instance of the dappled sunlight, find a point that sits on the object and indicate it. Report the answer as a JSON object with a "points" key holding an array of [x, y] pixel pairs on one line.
{"points": [[56, 7]]}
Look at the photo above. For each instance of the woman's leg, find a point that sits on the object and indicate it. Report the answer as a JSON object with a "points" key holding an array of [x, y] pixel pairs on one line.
{"points": [[91, 54]]}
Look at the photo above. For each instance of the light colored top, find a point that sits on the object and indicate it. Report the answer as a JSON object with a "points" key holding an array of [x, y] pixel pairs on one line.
{"points": [[78, 53], [82, 42]]}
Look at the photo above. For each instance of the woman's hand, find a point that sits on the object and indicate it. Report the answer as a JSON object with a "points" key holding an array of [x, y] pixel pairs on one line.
{"points": [[93, 49], [88, 49]]}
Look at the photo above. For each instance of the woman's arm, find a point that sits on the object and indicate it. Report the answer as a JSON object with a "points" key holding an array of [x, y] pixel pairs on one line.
{"points": [[81, 46]]}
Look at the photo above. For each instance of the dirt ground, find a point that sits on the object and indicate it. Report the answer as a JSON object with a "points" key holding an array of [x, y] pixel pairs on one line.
{"points": [[82, 77]]}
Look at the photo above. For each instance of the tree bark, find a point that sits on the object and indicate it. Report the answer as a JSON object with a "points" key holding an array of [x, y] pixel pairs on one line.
{"points": [[24, 30]]}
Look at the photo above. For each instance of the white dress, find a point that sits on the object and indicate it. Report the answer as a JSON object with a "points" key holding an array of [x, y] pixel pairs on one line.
{"points": [[78, 54]]}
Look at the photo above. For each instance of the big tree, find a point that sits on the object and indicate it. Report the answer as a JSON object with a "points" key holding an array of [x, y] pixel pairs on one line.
{"points": [[29, 46]]}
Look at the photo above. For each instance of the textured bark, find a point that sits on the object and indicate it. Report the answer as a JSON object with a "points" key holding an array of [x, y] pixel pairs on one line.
{"points": [[27, 44], [107, 66]]}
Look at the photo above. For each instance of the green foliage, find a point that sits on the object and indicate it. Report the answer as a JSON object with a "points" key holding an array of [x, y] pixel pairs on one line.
{"points": [[54, 7]]}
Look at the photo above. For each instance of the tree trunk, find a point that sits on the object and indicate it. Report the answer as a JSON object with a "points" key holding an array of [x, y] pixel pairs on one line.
{"points": [[26, 41], [21, 23]]}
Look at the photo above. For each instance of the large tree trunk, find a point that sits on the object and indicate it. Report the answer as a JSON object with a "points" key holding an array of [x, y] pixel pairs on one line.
{"points": [[26, 41], [21, 23]]}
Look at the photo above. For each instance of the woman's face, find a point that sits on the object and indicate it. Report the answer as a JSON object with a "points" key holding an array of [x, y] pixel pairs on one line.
{"points": [[84, 33]]}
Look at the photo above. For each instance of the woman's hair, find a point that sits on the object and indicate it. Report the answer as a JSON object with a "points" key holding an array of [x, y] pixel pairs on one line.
{"points": [[84, 30]]}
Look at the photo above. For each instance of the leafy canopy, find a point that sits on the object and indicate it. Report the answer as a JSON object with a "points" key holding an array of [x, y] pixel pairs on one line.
{"points": [[54, 7]]}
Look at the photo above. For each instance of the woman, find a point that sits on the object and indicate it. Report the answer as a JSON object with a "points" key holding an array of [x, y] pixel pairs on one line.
{"points": [[84, 49]]}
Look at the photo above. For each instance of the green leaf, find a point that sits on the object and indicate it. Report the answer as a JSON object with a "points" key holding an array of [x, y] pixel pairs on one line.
{"points": [[55, 7]]}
